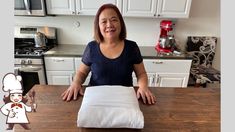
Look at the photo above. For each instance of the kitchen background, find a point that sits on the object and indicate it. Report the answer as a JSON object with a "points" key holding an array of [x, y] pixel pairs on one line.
{"points": [[204, 20]]}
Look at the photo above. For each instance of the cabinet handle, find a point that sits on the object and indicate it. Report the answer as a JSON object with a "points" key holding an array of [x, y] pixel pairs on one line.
{"points": [[71, 77], [157, 62], [157, 79], [58, 60], [73, 12], [153, 79], [158, 15]]}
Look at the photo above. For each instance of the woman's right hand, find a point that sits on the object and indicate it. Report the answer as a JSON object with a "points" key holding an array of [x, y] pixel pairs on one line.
{"points": [[72, 91]]}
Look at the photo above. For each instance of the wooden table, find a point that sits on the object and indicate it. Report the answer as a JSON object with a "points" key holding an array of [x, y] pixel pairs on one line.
{"points": [[176, 110]]}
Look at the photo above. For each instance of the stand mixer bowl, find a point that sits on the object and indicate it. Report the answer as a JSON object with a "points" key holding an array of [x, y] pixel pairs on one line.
{"points": [[167, 42]]}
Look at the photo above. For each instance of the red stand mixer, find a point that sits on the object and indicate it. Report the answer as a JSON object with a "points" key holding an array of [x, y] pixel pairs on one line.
{"points": [[166, 42]]}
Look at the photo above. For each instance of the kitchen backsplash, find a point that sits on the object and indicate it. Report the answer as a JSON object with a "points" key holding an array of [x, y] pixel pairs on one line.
{"points": [[143, 31]]}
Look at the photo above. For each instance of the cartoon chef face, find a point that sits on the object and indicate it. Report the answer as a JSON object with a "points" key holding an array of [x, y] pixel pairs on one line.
{"points": [[16, 97]]}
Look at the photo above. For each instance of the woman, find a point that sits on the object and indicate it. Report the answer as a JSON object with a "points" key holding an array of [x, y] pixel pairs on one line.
{"points": [[111, 58]]}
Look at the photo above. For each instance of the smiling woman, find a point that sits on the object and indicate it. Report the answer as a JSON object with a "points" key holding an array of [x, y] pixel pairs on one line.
{"points": [[111, 15], [111, 58]]}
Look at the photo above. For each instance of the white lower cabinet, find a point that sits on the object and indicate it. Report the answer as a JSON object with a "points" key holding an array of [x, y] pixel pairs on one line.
{"points": [[171, 80], [60, 77], [160, 72], [151, 77], [59, 70], [167, 72]]}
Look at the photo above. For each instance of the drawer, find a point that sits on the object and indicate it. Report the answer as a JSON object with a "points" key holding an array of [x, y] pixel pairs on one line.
{"points": [[167, 65], [59, 63]]}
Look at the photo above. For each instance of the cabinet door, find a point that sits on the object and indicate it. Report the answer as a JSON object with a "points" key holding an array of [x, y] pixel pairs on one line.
{"points": [[139, 8], [171, 80], [169, 72], [60, 7], [60, 77], [151, 77], [173, 8], [90, 7]]}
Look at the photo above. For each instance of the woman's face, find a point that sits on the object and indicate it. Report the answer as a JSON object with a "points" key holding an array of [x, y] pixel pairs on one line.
{"points": [[109, 24]]}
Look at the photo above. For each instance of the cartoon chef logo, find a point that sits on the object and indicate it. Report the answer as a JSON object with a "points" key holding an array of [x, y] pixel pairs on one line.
{"points": [[15, 108]]}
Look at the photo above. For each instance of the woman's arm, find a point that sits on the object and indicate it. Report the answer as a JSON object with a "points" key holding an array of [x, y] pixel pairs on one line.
{"points": [[76, 86], [142, 80]]}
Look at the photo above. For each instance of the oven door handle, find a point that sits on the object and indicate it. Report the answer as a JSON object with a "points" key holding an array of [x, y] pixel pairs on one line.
{"points": [[30, 69]]}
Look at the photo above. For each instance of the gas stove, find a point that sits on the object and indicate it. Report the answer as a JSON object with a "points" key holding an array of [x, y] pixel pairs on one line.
{"points": [[25, 41]]}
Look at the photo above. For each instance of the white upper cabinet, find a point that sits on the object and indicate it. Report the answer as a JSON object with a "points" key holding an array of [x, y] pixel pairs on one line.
{"points": [[61, 7], [157, 8], [77, 7], [173, 8], [128, 8], [139, 8], [90, 7]]}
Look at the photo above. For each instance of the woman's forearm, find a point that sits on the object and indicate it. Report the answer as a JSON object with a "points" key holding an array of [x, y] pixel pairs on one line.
{"points": [[142, 80], [79, 78]]}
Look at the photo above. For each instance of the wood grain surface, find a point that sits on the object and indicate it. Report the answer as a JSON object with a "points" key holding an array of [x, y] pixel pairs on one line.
{"points": [[176, 110]]}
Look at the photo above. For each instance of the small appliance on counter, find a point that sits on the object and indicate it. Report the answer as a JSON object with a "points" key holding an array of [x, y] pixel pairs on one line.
{"points": [[40, 39], [166, 42]]}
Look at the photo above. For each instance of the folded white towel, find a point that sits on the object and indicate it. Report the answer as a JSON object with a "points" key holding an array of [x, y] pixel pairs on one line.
{"points": [[110, 107]]}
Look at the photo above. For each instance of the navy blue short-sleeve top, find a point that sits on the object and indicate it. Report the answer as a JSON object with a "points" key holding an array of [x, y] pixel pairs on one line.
{"points": [[105, 71]]}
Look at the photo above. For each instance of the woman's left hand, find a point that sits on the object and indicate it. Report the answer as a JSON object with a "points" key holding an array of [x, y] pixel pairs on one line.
{"points": [[146, 95]]}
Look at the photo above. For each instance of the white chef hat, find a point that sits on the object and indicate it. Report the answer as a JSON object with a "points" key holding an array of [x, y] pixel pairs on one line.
{"points": [[11, 83]]}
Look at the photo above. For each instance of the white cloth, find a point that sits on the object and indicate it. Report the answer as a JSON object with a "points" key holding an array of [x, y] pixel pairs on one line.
{"points": [[110, 107]]}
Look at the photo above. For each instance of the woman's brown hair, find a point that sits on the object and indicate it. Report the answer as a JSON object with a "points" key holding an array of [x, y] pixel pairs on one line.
{"points": [[97, 34]]}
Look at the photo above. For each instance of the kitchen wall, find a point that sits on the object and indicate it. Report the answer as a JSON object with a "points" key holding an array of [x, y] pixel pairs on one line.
{"points": [[204, 20]]}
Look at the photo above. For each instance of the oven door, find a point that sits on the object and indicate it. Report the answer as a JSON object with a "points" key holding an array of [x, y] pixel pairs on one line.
{"points": [[31, 75], [30, 7]]}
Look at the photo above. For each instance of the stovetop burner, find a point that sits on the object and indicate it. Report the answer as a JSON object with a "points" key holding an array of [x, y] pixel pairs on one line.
{"points": [[31, 51]]}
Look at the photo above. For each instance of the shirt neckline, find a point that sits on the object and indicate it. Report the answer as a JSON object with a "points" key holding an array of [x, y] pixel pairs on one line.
{"points": [[112, 58]]}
